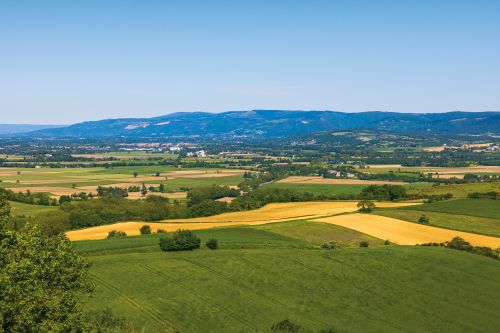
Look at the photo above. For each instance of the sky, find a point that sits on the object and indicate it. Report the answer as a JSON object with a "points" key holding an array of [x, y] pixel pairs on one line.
{"points": [[69, 61]]}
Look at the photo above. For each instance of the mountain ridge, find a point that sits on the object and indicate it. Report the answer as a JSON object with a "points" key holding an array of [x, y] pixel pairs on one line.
{"points": [[279, 123]]}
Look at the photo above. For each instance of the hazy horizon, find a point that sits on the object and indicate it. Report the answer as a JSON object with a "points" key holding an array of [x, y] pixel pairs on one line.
{"points": [[66, 62]]}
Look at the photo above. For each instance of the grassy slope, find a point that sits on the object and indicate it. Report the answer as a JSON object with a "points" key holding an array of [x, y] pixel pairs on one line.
{"points": [[320, 233], [471, 215], [458, 190], [386, 289], [473, 207], [239, 237], [480, 225], [320, 188], [18, 208]]}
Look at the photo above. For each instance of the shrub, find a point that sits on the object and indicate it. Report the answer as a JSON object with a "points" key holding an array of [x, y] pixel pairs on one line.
{"points": [[181, 240], [286, 326], [387, 242], [363, 244], [212, 244], [366, 206], [161, 231], [331, 245], [423, 219], [145, 230], [116, 233]]}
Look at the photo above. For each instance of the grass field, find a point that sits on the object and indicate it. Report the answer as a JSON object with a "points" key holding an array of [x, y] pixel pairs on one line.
{"points": [[273, 277], [319, 188], [458, 190], [18, 209], [473, 207], [480, 225]]}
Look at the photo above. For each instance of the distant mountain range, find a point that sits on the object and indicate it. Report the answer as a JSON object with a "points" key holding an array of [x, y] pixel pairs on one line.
{"points": [[277, 123], [23, 128]]}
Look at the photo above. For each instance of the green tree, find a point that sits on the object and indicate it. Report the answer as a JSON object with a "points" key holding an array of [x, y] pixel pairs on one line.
{"points": [[145, 230], [423, 219], [43, 283], [366, 206], [136, 174], [144, 190], [4, 211], [181, 240], [212, 244]]}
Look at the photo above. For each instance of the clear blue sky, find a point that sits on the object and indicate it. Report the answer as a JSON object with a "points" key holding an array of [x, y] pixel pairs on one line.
{"points": [[74, 60]]}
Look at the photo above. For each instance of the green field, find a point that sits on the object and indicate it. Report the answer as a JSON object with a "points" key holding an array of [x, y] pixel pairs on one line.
{"points": [[260, 277], [458, 190], [18, 209], [479, 225], [319, 188], [480, 216], [473, 207]]}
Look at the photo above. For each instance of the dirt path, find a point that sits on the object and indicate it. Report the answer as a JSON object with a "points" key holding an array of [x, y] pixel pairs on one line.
{"points": [[405, 233]]}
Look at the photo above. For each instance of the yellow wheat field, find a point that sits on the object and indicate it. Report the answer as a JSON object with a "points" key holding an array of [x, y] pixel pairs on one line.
{"points": [[276, 212], [405, 233]]}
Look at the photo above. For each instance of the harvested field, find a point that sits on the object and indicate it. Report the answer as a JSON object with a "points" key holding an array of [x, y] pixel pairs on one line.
{"points": [[334, 181], [405, 233], [276, 212]]}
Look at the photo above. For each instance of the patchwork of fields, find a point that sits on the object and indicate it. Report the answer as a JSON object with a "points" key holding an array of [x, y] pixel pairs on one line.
{"points": [[276, 212], [260, 277], [66, 181]]}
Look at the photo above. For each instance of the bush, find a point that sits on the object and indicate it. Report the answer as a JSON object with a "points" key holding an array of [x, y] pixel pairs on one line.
{"points": [[363, 244], [387, 242], [331, 245], [145, 230], [212, 244], [286, 326], [366, 206], [116, 233], [160, 231], [423, 219], [181, 240]]}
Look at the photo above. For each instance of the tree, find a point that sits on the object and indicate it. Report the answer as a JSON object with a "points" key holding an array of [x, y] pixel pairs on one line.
{"points": [[4, 211], [64, 198], [136, 174], [212, 244], [181, 240], [157, 174], [144, 190], [116, 233], [366, 206], [43, 283], [145, 230], [423, 219]]}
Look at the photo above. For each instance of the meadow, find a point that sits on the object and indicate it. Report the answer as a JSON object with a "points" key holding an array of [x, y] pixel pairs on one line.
{"points": [[18, 209], [319, 188], [260, 277]]}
